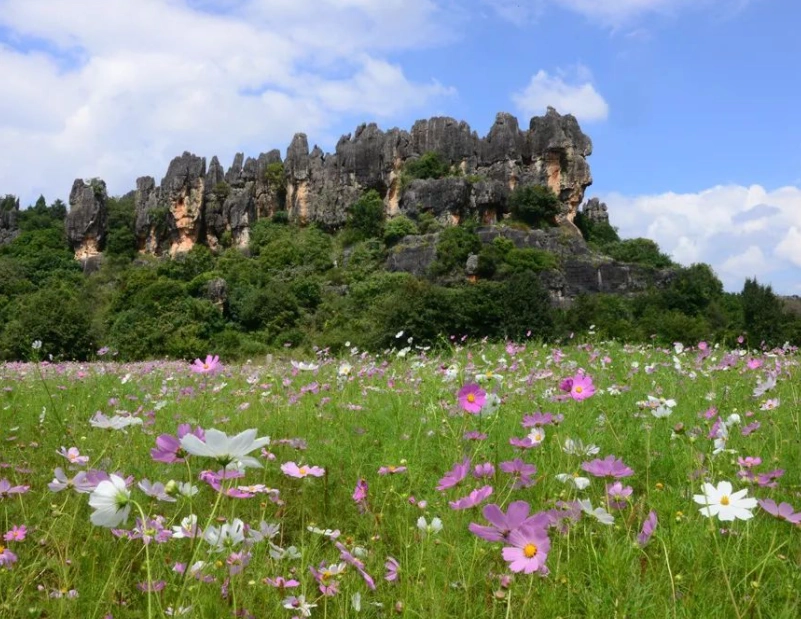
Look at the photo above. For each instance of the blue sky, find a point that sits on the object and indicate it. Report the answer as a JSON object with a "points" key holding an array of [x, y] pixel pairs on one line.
{"points": [[692, 105]]}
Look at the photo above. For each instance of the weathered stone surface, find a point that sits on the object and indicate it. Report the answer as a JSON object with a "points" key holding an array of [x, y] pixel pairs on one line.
{"points": [[9, 223], [596, 211], [488, 199], [446, 198], [413, 254], [182, 193], [146, 202], [85, 224], [217, 292]]}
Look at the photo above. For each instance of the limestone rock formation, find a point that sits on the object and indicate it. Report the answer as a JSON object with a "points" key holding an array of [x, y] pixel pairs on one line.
{"points": [[596, 211], [9, 219], [86, 221]]}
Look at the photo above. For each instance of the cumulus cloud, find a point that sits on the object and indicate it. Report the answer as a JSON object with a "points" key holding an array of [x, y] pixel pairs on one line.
{"points": [[570, 91], [740, 231], [116, 89]]}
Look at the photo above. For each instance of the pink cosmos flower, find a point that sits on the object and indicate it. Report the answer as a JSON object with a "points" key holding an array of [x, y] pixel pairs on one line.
{"points": [[391, 470], [348, 558], [521, 471], [472, 398], [782, 511], [474, 436], [279, 582], [749, 461], [608, 467], [618, 495], [7, 558], [360, 495], [6, 489], [291, 469], [16, 533], [529, 549], [501, 525], [582, 387], [211, 365], [168, 447], [483, 470], [73, 455], [540, 419], [472, 499], [455, 475], [393, 567], [648, 528]]}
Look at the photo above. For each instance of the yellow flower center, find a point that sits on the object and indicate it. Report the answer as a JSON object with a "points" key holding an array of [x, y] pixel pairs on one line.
{"points": [[530, 550], [489, 374], [579, 389], [724, 500], [471, 397], [205, 366], [2, 549], [391, 468], [302, 470]]}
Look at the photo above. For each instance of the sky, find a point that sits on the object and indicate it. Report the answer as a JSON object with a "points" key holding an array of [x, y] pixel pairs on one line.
{"points": [[692, 105]]}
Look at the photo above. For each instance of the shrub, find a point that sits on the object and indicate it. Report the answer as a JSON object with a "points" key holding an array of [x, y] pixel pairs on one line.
{"points": [[535, 205], [398, 227], [529, 259], [280, 218], [427, 223], [455, 244], [638, 251], [525, 307], [275, 177], [428, 165], [366, 217]]}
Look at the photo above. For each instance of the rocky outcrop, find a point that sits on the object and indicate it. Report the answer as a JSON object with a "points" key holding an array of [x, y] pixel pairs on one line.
{"points": [[193, 204], [86, 221], [596, 211], [9, 219]]}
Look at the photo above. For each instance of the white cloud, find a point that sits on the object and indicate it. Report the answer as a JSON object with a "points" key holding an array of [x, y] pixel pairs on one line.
{"points": [[116, 89], [569, 91], [740, 231], [613, 13]]}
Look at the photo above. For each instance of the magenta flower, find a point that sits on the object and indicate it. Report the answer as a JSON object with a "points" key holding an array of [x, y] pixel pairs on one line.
{"points": [[472, 499], [455, 475], [73, 455], [291, 469], [782, 511], [391, 470], [211, 365], [16, 533], [279, 582], [503, 524], [474, 436], [393, 567], [608, 467], [582, 387], [483, 470], [529, 549], [767, 480], [7, 558], [618, 495], [168, 447], [6, 489], [348, 558], [472, 398], [156, 490], [521, 471], [537, 420], [360, 495], [648, 528]]}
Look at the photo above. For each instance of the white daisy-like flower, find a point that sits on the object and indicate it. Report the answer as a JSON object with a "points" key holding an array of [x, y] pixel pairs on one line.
{"points": [[434, 527], [227, 536], [111, 501], [304, 366], [224, 449], [578, 448], [723, 502], [661, 407], [599, 513], [117, 422], [536, 436], [575, 479]]}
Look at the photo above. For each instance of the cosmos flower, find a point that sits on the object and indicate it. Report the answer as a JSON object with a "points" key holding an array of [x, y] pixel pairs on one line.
{"points": [[648, 528], [291, 469], [782, 511], [224, 449], [111, 501], [528, 550], [455, 475], [73, 455], [501, 525], [472, 499], [211, 365], [608, 467], [472, 398], [722, 502], [393, 567]]}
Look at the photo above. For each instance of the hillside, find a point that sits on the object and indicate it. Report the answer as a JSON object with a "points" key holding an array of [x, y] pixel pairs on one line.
{"points": [[435, 232]]}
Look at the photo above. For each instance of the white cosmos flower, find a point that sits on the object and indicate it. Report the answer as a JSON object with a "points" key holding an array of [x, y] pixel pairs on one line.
{"points": [[117, 422], [433, 528], [578, 448], [227, 536], [536, 436], [111, 501], [722, 502], [575, 479], [305, 367], [599, 513], [660, 407], [224, 449]]}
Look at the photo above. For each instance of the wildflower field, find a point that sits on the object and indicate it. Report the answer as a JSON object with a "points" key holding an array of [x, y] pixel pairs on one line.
{"points": [[595, 480]]}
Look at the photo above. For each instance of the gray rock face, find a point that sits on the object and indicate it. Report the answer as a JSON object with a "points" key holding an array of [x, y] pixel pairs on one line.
{"points": [[413, 254], [194, 204], [217, 292], [9, 226], [86, 221], [596, 211], [446, 198]]}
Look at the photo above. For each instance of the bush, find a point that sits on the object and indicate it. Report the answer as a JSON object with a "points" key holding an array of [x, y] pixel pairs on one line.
{"points": [[427, 223], [525, 307], [366, 217], [594, 232], [638, 251], [280, 218], [428, 165], [398, 227], [535, 205], [529, 259], [455, 244]]}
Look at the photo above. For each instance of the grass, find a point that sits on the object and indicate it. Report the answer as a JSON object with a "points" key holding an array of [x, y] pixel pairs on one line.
{"points": [[402, 411]]}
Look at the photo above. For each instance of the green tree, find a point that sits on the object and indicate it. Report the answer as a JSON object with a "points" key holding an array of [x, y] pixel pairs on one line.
{"points": [[763, 314], [428, 165], [535, 205], [366, 217]]}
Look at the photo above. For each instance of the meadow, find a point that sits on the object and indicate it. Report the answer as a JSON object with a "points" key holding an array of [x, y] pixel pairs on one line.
{"points": [[482, 480]]}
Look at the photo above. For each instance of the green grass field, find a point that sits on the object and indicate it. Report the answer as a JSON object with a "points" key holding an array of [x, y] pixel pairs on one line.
{"points": [[354, 415]]}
